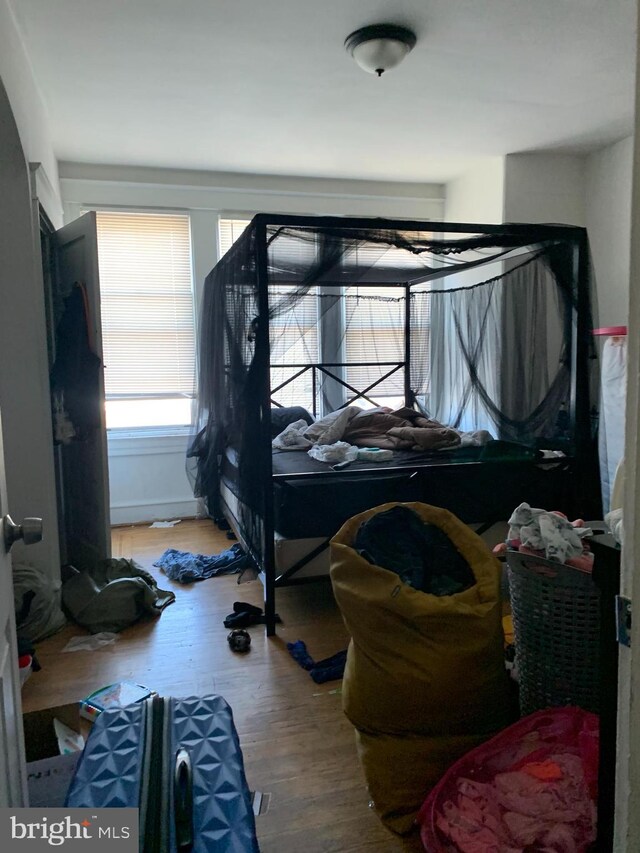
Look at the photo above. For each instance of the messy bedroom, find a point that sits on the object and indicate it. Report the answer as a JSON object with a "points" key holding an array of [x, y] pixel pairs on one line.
{"points": [[318, 458]]}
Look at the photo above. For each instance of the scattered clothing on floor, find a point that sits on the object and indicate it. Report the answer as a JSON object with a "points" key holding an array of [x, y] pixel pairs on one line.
{"points": [[421, 554], [328, 669], [245, 614], [112, 594], [184, 567]]}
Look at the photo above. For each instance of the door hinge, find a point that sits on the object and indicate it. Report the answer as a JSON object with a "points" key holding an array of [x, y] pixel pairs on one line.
{"points": [[623, 620]]}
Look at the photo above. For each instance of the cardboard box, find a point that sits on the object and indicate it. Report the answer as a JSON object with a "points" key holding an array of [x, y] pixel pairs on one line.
{"points": [[48, 772]]}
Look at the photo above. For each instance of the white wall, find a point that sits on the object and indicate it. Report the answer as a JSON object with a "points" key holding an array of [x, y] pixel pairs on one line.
{"points": [[608, 180], [223, 191], [147, 474], [589, 190], [29, 112], [478, 194], [544, 187], [147, 479]]}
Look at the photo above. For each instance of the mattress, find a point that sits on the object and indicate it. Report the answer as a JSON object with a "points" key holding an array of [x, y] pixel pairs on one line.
{"points": [[312, 500], [287, 551]]}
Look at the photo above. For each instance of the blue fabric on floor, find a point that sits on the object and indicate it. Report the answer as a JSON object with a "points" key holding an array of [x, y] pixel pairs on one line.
{"points": [[186, 568], [328, 669]]}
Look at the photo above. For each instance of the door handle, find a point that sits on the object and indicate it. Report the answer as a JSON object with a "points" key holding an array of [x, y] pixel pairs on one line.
{"points": [[30, 531]]}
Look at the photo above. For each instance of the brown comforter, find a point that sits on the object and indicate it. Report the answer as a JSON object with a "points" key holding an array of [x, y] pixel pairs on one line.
{"points": [[403, 429]]}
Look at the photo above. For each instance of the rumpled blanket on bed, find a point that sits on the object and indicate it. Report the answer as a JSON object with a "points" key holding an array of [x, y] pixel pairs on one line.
{"points": [[404, 429]]}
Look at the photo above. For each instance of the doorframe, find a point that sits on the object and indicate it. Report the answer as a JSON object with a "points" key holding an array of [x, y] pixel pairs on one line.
{"points": [[627, 818]]}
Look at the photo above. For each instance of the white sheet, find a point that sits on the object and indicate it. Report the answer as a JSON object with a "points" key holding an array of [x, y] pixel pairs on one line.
{"points": [[612, 413]]}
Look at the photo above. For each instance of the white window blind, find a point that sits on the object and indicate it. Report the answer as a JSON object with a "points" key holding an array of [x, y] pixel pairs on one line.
{"points": [[375, 333], [375, 322], [294, 333], [148, 324], [229, 230]]}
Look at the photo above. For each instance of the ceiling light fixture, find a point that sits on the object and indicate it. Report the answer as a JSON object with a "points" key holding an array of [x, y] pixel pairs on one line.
{"points": [[380, 47]]}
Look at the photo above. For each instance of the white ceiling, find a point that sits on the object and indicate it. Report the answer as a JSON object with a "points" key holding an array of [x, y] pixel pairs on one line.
{"points": [[266, 86]]}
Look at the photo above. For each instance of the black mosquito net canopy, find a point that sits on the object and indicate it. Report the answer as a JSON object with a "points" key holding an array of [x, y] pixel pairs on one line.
{"points": [[479, 327]]}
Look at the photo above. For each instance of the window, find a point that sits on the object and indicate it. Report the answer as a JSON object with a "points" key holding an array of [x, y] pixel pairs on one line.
{"points": [[294, 334], [148, 328], [371, 326], [229, 231], [375, 325], [375, 333]]}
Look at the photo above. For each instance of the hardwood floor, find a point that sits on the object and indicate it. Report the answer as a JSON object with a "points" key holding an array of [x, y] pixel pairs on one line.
{"points": [[297, 744]]}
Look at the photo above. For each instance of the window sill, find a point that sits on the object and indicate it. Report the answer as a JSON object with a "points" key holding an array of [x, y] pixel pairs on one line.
{"points": [[124, 442], [120, 433]]}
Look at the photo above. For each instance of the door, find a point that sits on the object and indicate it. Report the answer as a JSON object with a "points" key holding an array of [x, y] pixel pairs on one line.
{"points": [[627, 788], [13, 785], [83, 462]]}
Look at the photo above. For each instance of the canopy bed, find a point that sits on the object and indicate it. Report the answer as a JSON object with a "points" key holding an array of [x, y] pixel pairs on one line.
{"points": [[482, 331]]}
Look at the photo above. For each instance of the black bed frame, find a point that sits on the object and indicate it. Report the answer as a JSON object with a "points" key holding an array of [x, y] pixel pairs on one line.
{"points": [[583, 493], [579, 413]]}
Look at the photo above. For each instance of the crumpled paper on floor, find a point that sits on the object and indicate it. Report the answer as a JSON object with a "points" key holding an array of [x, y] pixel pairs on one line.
{"points": [[91, 642]]}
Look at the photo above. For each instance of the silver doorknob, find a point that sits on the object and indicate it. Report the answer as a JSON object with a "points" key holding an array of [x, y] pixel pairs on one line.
{"points": [[30, 531]]}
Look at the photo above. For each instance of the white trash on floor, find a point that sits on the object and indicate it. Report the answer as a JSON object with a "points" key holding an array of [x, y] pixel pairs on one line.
{"points": [[90, 643]]}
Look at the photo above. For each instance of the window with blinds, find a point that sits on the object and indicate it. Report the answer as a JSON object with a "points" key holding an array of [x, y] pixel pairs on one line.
{"points": [[375, 324], [228, 232], [374, 336], [295, 333], [148, 327]]}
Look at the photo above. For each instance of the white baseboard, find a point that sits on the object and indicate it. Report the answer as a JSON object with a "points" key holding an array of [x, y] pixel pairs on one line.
{"points": [[157, 511]]}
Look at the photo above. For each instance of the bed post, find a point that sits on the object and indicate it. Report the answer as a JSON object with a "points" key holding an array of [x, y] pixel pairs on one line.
{"points": [[408, 393], [586, 493], [263, 357]]}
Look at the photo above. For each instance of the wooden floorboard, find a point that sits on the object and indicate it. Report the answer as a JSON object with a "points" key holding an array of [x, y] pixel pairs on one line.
{"points": [[297, 744]]}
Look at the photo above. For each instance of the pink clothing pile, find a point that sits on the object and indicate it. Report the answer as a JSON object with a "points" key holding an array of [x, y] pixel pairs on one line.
{"points": [[532, 787], [518, 810]]}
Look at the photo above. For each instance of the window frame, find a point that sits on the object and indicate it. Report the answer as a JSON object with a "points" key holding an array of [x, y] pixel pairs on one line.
{"points": [[245, 216], [323, 335], [167, 430]]}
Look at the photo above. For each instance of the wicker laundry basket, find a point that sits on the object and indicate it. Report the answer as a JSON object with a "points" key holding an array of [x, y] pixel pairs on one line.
{"points": [[556, 619]]}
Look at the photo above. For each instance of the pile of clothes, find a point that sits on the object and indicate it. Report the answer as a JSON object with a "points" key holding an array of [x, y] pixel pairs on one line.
{"points": [[549, 535], [184, 567], [403, 429], [533, 787], [422, 555]]}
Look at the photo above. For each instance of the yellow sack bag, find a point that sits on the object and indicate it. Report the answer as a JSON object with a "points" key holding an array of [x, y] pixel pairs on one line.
{"points": [[425, 680]]}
